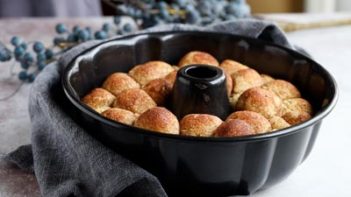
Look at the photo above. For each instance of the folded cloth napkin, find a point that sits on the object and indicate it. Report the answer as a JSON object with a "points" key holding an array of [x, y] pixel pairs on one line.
{"points": [[69, 162]]}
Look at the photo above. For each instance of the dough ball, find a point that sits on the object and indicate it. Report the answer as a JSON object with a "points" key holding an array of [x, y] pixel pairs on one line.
{"points": [[144, 73], [282, 88], [171, 78], [99, 99], [258, 122], [158, 119], [278, 123], [261, 101], [245, 79], [199, 125], [234, 128], [198, 57], [158, 90], [135, 100], [297, 105], [117, 82], [120, 115], [231, 66], [295, 117]]}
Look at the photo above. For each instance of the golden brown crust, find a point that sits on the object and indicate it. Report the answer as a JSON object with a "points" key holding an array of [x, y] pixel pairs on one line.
{"points": [[278, 123], [198, 57], [120, 115], [99, 99], [234, 128], [231, 66], [144, 73], [199, 124], [117, 82], [158, 119], [171, 77], [282, 88], [245, 79], [135, 100], [158, 90], [261, 101], [266, 78], [295, 117], [258, 122], [297, 105]]}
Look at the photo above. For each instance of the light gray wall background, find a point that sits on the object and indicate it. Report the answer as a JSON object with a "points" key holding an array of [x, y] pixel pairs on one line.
{"points": [[63, 8]]}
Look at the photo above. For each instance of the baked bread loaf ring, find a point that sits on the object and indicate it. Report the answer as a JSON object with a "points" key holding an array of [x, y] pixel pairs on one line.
{"points": [[135, 100], [234, 128], [199, 125], [158, 119], [99, 99], [258, 122], [144, 73], [198, 57], [120, 115], [117, 82]]}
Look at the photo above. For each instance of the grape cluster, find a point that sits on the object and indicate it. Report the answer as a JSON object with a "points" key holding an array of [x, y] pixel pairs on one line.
{"points": [[34, 60], [145, 13], [148, 13], [31, 61]]}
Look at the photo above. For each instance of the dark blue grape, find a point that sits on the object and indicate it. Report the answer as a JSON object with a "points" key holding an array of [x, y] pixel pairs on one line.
{"points": [[83, 35], [5, 53], [16, 41], [38, 47], [106, 27], [127, 28], [76, 29], [60, 28], [72, 38], [49, 53], [100, 35], [23, 75], [58, 40], [41, 56], [4, 56], [41, 65], [24, 45], [28, 58], [31, 77], [117, 20], [19, 51], [24, 65]]}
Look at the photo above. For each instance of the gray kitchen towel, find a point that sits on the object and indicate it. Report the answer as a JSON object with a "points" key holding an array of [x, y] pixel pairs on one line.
{"points": [[69, 162]]}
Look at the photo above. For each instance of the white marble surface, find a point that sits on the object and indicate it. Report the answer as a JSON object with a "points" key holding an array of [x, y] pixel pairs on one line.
{"points": [[326, 172]]}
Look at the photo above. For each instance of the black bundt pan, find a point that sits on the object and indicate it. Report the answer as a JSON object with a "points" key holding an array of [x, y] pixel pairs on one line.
{"points": [[204, 166]]}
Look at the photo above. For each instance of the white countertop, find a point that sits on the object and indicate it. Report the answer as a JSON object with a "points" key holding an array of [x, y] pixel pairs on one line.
{"points": [[327, 170]]}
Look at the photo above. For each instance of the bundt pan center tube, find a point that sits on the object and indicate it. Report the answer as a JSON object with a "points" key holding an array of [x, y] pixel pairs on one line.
{"points": [[203, 166], [200, 89]]}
